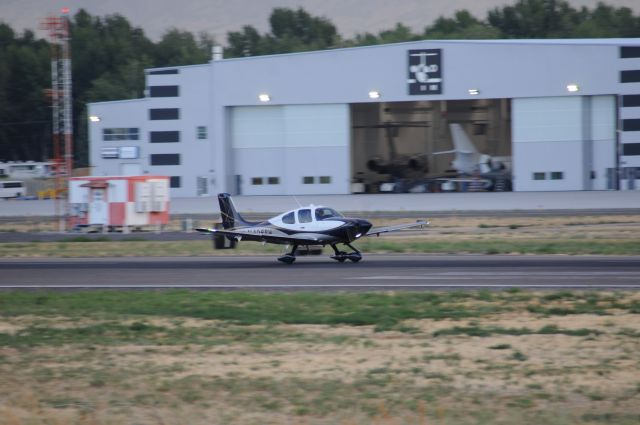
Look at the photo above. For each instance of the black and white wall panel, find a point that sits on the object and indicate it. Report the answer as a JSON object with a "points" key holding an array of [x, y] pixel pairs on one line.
{"points": [[629, 113]]}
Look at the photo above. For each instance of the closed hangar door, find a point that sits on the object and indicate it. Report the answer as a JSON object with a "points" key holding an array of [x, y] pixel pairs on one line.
{"points": [[291, 149], [564, 143]]}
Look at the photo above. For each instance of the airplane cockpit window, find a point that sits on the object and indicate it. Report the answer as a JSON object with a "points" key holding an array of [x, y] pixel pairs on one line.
{"points": [[304, 216], [289, 218], [324, 213]]}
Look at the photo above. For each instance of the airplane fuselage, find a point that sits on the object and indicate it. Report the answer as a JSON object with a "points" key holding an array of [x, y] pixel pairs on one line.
{"points": [[315, 232], [305, 226]]}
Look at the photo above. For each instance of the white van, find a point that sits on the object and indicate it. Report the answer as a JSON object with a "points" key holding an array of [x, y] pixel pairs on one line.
{"points": [[12, 189]]}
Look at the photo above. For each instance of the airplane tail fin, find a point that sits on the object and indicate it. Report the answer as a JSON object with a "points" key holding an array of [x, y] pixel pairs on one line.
{"points": [[461, 140], [230, 217]]}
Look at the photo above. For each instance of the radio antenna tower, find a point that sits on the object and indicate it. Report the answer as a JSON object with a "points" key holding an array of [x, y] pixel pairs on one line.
{"points": [[61, 105]]}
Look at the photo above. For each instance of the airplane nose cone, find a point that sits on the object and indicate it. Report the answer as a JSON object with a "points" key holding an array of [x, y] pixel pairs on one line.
{"points": [[356, 228], [363, 227]]}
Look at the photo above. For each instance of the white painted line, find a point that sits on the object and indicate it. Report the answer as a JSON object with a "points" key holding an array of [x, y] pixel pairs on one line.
{"points": [[544, 273], [473, 277], [337, 285]]}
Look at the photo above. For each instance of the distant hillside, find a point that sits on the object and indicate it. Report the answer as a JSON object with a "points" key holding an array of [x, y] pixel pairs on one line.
{"points": [[220, 16]]}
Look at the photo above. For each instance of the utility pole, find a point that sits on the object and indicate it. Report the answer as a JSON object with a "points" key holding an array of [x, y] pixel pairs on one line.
{"points": [[62, 110]]}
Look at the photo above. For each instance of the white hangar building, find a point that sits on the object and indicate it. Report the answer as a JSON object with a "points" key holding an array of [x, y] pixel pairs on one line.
{"points": [[566, 112]]}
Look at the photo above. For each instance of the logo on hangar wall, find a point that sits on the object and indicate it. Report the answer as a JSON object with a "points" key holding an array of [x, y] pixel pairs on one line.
{"points": [[425, 71]]}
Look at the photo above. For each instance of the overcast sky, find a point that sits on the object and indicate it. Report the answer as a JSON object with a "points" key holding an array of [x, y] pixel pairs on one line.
{"points": [[217, 17]]}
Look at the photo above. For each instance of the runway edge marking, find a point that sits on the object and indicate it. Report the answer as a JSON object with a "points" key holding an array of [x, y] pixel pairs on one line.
{"points": [[337, 286]]}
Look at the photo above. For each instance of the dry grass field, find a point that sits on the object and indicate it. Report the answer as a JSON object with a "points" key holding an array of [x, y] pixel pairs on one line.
{"points": [[453, 358]]}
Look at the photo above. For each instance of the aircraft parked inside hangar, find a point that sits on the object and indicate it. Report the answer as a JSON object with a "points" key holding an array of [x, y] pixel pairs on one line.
{"points": [[306, 226]]}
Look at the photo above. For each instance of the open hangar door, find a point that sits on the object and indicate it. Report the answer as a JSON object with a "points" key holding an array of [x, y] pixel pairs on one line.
{"points": [[431, 146]]}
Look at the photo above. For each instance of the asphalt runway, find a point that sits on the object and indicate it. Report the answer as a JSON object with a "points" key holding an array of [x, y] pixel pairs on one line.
{"points": [[374, 272]]}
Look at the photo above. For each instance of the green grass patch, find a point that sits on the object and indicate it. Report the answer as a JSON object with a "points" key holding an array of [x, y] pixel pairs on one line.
{"points": [[489, 331], [384, 311], [379, 309]]}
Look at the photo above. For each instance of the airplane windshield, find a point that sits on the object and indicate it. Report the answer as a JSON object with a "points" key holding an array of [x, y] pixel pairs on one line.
{"points": [[324, 213]]}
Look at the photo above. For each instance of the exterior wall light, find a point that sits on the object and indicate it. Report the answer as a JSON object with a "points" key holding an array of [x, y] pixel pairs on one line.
{"points": [[572, 88], [264, 97], [374, 94], [94, 118], [474, 92]]}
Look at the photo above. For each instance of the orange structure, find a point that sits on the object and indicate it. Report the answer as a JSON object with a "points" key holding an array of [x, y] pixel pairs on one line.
{"points": [[61, 105], [119, 201]]}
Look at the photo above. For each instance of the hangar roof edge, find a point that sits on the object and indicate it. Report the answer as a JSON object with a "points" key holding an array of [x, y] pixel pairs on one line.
{"points": [[529, 42], [137, 99]]}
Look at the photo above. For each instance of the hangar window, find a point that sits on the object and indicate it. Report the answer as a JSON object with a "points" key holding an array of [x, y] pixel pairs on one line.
{"points": [[325, 179], [165, 159], [630, 76], [202, 132], [304, 216], [308, 180], [557, 175], [539, 176], [112, 134], [164, 137], [163, 71], [163, 91], [164, 114], [273, 180], [174, 181], [629, 52], [630, 149], [632, 124], [631, 100], [289, 218], [256, 181]]}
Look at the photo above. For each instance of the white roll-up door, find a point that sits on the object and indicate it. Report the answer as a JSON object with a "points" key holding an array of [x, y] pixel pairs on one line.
{"points": [[291, 149], [563, 143]]}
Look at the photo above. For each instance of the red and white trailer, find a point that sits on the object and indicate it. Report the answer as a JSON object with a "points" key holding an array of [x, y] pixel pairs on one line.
{"points": [[119, 201]]}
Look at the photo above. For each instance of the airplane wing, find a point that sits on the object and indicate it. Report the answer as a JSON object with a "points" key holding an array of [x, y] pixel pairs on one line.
{"points": [[378, 230], [298, 238]]}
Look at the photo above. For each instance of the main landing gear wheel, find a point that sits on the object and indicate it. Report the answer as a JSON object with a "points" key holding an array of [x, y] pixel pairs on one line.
{"points": [[287, 259], [290, 257]]}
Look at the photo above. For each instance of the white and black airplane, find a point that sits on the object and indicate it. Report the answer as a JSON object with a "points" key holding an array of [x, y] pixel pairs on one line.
{"points": [[306, 226]]}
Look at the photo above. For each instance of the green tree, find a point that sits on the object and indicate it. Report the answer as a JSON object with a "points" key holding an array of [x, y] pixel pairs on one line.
{"points": [[24, 76], [462, 26], [179, 47], [291, 31], [398, 34], [606, 21], [247, 42], [297, 30]]}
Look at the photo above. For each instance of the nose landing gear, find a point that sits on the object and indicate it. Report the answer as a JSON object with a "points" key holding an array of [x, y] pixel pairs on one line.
{"points": [[341, 256]]}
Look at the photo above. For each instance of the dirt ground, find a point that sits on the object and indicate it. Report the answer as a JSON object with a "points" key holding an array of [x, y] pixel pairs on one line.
{"points": [[587, 372]]}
